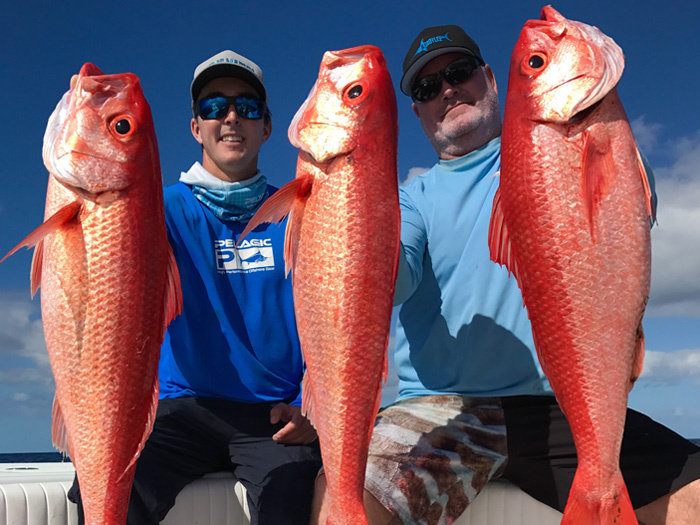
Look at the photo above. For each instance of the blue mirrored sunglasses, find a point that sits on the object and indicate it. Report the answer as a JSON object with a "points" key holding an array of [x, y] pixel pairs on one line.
{"points": [[218, 106]]}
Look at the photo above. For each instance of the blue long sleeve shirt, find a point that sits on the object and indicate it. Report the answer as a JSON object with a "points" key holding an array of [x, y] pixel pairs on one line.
{"points": [[236, 337]]}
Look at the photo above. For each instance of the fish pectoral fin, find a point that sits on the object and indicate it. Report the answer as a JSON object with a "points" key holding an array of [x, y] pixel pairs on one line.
{"points": [[499, 240], [598, 168], [279, 205], [173, 292], [59, 435], [53, 223], [651, 209], [37, 264]]}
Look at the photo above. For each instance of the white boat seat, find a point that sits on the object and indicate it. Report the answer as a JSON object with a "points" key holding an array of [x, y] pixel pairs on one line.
{"points": [[35, 494]]}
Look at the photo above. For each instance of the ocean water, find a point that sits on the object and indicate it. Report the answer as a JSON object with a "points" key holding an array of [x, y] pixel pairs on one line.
{"points": [[54, 457]]}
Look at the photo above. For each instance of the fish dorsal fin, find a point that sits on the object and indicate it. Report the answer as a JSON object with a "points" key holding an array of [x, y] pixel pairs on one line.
{"points": [[499, 240], [59, 435], [173, 292], [53, 223], [598, 166], [290, 199]]}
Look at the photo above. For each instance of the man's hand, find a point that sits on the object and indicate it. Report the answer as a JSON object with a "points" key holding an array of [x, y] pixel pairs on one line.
{"points": [[298, 429]]}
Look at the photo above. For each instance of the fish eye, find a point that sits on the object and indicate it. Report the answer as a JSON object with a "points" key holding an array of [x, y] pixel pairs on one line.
{"points": [[536, 61], [355, 91], [123, 125]]}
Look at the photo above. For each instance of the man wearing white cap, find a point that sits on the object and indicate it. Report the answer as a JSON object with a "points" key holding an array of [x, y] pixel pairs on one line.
{"points": [[231, 365]]}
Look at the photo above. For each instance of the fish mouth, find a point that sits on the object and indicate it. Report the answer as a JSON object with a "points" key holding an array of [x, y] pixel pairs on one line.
{"points": [[102, 197]]}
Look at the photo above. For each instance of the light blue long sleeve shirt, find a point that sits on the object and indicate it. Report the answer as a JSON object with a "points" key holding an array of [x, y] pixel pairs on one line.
{"points": [[462, 327]]}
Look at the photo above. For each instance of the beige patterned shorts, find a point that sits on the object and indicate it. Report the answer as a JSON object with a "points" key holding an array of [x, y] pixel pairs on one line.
{"points": [[430, 456]]}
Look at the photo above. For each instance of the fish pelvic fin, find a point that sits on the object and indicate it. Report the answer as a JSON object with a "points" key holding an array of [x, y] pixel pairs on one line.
{"points": [[290, 200], [499, 240], [128, 473], [638, 360], [34, 239], [598, 167], [582, 508], [59, 434]]}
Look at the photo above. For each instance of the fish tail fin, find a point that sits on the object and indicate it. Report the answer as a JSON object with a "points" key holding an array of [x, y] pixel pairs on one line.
{"points": [[290, 198], [582, 508]]}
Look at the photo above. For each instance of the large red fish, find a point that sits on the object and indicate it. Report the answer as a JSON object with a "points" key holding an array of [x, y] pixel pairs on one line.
{"points": [[342, 246], [109, 282], [571, 221]]}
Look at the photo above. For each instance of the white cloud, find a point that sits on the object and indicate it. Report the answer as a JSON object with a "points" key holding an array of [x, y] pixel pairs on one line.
{"points": [[413, 172], [671, 367], [646, 134], [675, 281], [21, 331]]}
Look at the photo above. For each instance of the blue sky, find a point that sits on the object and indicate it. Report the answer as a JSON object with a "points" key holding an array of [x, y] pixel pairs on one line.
{"points": [[162, 42]]}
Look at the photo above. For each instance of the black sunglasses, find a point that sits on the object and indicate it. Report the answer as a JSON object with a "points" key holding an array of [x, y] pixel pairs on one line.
{"points": [[456, 72], [218, 106]]}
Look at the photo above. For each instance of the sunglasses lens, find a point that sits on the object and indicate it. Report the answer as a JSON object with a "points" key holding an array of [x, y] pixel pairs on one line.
{"points": [[458, 72], [426, 88], [217, 107], [214, 107], [249, 108]]}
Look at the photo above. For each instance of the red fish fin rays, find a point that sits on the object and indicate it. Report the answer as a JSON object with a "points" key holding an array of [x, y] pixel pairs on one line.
{"points": [[292, 234], [585, 508], [307, 406], [598, 166], [288, 200], [651, 209], [59, 434], [50, 225], [499, 241], [37, 264], [129, 470], [173, 293], [638, 362]]}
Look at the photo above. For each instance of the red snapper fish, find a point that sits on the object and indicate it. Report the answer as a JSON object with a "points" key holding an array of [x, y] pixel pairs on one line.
{"points": [[571, 221], [342, 243], [109, 282]]}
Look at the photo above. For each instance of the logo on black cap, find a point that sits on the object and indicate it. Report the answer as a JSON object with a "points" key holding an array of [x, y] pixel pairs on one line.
{"points": [[425, 44]]}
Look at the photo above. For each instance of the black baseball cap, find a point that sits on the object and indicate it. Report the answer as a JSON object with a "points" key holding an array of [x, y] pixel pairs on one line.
{"points": [[433, 42]]}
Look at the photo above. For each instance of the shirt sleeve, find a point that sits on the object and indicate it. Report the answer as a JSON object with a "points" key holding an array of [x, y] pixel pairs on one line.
{"points": [[412, 252]]}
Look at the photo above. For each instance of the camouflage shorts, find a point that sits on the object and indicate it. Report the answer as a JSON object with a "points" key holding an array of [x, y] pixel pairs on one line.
{"points": [[430, 456]]}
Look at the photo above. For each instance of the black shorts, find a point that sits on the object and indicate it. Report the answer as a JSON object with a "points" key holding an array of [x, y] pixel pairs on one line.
{"points": [[654, 460]]}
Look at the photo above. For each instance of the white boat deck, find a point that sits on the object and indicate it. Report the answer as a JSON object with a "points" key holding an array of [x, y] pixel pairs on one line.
{"points": [[35, 494]]}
